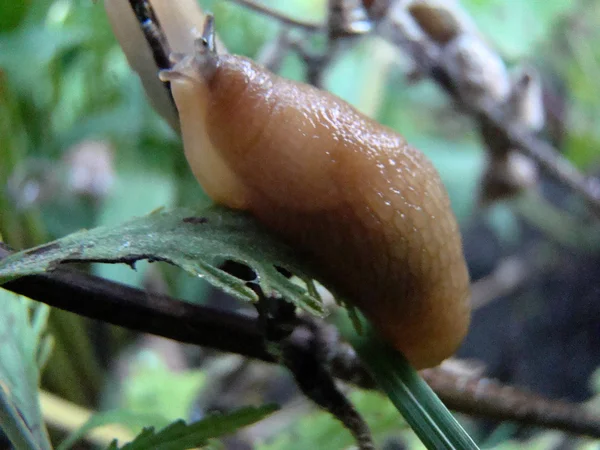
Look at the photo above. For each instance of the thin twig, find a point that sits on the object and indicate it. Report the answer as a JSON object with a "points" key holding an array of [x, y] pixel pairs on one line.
{"points": [[165, 316], [154, 35], [150, 26], [342, 24], [282, 18], [428, 58], [483, 397], [512, 273], [305, 352], [494, 400], [142, 311], [549, 159]]}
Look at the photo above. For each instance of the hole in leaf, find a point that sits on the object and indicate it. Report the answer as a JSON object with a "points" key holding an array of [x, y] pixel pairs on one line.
{"points": [[286, 273], [239, 270], [195, 220]]}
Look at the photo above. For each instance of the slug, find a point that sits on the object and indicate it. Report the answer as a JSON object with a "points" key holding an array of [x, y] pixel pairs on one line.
{"points": [[366, 209]]}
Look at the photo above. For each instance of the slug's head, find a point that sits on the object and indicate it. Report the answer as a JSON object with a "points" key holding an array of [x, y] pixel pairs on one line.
{"points": [[202, 63], [190, 79]]}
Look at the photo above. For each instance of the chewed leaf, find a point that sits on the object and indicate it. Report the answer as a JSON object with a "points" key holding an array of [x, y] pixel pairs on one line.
{"points": [[197, 241]]}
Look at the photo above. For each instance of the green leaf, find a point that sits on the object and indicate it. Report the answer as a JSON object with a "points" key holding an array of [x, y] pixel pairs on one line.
{"points": [[179, 435], [14, 426], [516, 27], [21, 338], [130, 419], [12, 13], [196, 241], [319, 429], [421, 408], [152, 387], [135, 193], [36, 46]]}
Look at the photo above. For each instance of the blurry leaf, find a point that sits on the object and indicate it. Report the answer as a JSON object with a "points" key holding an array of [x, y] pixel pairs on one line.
{"points": [[14, 426], [557, 224], [515, 27], [21, 338], [320, 429], [544, 441], [309, 10], [76, 119], [178, 435], [362, 85], [196, 241], [26, 54], [501, 218], [152, 387], [214, 445], [238, 28], [12, 13], [130, 419], [582, 149]]}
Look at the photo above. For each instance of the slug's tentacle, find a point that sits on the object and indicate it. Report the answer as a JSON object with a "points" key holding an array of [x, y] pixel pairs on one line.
{"points": [[201, 63], [208, 34]]}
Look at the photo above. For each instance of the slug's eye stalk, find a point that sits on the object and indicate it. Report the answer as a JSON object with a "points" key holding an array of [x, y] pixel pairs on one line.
{"points": [[208, 35], [203, 62]]}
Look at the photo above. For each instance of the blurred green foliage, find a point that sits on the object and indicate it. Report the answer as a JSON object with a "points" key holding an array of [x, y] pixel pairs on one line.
{"points": [[24, 349], [320, 430]]}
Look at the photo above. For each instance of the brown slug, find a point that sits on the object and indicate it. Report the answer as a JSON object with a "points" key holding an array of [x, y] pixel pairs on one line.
{"points": [[365, 208]]}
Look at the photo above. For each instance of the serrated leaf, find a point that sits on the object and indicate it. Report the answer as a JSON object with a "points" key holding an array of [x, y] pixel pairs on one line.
{"points": [[21, 338], [196, 241], [180, 436], [124, 417]]}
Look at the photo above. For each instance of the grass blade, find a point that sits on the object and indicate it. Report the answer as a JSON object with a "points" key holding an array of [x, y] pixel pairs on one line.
{"points": [[422, 409]]}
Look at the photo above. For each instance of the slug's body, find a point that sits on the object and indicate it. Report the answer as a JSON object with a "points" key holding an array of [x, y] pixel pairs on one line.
{"points": [[365, 208]]}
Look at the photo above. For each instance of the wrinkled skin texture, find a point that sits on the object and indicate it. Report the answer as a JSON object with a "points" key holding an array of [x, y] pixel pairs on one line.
{"points": [[365, 208]]}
